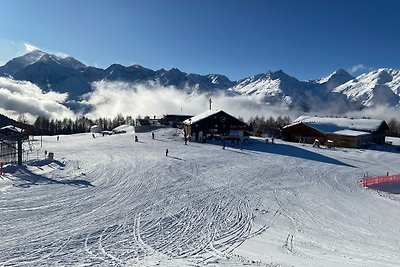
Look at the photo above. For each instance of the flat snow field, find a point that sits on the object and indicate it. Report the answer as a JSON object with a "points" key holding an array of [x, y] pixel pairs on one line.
{"points": [[110, 201]]}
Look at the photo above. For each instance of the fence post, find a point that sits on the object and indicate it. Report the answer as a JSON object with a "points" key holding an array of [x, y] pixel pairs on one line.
{"points": [[20, 151]]}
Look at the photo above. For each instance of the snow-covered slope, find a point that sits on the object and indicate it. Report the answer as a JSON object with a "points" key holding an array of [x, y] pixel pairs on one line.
{"points": [[335, 79], [110, 201], [18, 63], [190, 82], [134, 73], [50, 72], [378, 87], [66, 74], [278, 87], [274, 87]]}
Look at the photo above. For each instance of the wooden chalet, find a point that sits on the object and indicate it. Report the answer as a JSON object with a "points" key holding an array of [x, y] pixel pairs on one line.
{"points": [[342, 132], [214, 125]]}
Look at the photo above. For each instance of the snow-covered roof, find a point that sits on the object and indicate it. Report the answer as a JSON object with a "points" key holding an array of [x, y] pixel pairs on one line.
{"points": [[124, 127], [201, 116], [331, 125], [350, 133], [12, 128], [395, 140]]}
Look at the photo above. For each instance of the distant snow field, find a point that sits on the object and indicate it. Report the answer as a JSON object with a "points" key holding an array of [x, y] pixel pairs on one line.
{"points": [[110, 201]]}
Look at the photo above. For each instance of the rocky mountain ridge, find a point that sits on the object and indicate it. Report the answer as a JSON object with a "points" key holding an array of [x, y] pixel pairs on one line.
{"points": [[338, 90]]}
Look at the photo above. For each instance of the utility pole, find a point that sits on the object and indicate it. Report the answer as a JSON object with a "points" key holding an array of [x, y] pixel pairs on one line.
{"points": [[210, 102]]}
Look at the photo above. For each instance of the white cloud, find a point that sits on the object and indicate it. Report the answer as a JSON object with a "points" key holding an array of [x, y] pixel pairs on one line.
{"points": [[22, 97], [30, 47], [377, 112], [110, 98], [359, 68]]}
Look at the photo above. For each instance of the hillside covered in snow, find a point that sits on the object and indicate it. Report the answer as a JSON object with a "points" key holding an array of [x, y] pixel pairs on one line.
{"points": [[110, 201]]}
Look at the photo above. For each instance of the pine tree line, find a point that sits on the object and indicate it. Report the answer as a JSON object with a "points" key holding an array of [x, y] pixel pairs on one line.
{"points": [[46, 126], [394, 127], [258, 125], [270, 126]]}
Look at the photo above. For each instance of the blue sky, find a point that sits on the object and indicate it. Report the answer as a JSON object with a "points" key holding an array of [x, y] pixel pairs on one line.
{"points": [[306, 39]]}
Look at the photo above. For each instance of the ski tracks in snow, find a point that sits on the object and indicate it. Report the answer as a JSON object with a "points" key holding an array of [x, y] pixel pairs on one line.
{"points": [[199, 206]]}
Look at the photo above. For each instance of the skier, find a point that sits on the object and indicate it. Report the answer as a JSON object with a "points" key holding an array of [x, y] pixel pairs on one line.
{"points": [[136, 139], [152, 135], [58, 137], [166, 152], [93, 135]]}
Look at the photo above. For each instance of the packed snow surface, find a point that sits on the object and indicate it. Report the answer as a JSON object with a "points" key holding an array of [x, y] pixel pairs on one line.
{"points": [[110, 201]]}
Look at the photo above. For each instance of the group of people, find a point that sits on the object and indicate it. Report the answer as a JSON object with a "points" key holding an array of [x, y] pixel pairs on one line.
{"points": [[152, 137]]}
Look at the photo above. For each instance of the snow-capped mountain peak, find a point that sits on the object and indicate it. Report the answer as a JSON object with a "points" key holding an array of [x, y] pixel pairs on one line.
{"points": [[18, 63], [335, 79], [338, 90], [381, 86]]}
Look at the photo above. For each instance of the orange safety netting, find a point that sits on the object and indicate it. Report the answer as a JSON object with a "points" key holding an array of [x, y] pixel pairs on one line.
{"points": [[380, 180]]}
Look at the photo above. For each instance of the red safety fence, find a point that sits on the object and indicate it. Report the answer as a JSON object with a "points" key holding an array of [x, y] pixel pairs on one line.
{"points": [[380, 180]]}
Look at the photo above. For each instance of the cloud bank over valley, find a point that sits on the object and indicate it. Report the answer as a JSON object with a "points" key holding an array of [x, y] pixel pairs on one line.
{"points": [[23, 97], [110, 98]]}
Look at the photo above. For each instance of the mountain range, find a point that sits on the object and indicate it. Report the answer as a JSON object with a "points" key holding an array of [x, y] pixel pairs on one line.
{"points": [[338, 91]]}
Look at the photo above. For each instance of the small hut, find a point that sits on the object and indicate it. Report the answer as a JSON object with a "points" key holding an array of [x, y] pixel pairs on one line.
{"points": [[96, 129]]}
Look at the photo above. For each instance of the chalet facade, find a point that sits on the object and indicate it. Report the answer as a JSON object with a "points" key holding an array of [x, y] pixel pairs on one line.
{"points": [[342, 132], [214, 125]]}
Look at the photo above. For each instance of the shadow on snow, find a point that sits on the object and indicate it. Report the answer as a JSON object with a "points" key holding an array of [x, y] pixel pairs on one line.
{"points": [[291, 151], [31, 179], [393, 188]]}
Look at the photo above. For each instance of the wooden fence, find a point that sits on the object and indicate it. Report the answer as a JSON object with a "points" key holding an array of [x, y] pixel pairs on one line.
{"points": [[8, 151]]}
